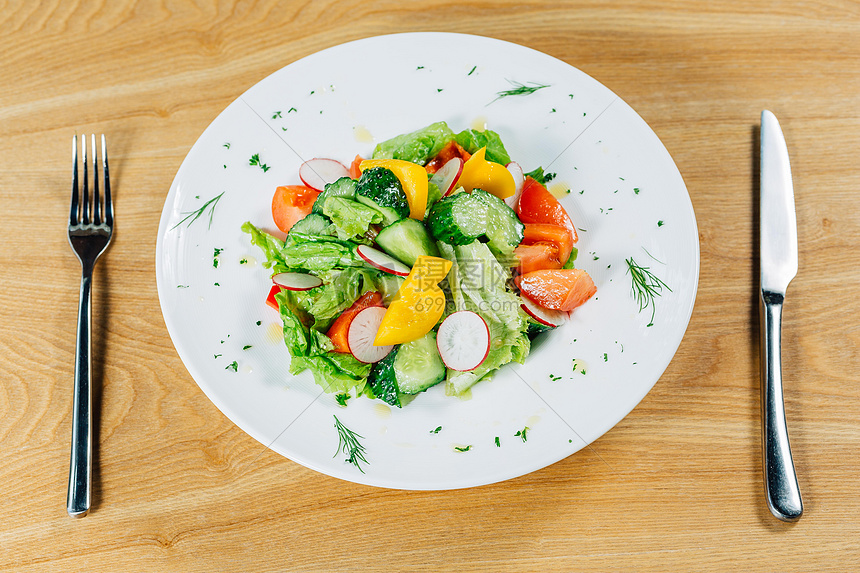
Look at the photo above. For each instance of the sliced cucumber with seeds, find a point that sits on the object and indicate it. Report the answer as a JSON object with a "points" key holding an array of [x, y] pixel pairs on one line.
{"points": [[417, 365], [406, 240], [381, 189]]}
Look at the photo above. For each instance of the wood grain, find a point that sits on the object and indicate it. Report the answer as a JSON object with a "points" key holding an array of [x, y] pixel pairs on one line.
{"points": [[676, 486]]}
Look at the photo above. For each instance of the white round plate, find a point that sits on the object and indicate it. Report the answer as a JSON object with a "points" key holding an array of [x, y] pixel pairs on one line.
{"points": [[625, 195]]}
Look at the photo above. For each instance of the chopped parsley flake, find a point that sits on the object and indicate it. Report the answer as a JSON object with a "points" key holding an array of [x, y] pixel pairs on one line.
{"points": [[276, 115], [636, 190], [660, 223], [255, 161], [605, 357], [498, 443], [246, 347], [243, 261], [437, 430], [259, 322], [227, 145], [462, 448], [522, 434], [215, 260], [472, 70], [342, 399], [234, 366]]}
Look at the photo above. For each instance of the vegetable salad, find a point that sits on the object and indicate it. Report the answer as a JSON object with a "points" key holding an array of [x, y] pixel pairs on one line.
{"points": [[435, 261]]}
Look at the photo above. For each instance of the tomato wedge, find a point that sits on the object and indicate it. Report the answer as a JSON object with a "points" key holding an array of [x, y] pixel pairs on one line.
{"points": [[270, 300], [547, 233], [354, 170], [537, 257], [537, 205], [339, 329], [290, 204], [557, 289], [451, 150]]}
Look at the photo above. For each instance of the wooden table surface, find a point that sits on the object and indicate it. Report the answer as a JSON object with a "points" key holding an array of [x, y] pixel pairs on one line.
{"points": [[178, 487]]}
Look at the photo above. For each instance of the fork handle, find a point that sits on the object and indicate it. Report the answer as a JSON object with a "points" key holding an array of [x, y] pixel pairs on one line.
{"points": [[783, 493], [80, 464]]}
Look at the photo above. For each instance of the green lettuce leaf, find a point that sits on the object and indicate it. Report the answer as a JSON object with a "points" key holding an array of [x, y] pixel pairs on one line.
{"points": [[472, 140], [311, 349], [418, 147], [269, 244], [477, 283], [351, 218]]}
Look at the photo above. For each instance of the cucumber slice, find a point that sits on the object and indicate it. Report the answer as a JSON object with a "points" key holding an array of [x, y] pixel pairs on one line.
{"points": [[381, 189], [343, 187], [417, 365], [382, 380], [458, 219], [406, 240], [462, 218], [504, 228]]}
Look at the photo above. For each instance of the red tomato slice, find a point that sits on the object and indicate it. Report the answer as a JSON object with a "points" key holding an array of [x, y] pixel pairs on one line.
{"points": [[290, 204], [537, 205], [270, 300], [557, 235], [557, 289], [354, 170], [451, 150], [537, 257], [339, 329]]}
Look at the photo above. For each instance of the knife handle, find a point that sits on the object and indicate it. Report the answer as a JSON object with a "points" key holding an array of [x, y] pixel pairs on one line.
{"points": [[780, 479]]}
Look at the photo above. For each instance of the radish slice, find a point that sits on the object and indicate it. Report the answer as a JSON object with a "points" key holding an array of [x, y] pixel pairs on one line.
{"points": [[519, 180], [316, 173], [463, 340], [545, 316], [446, 178], [379, 260], [297, 281], [361, 333]]}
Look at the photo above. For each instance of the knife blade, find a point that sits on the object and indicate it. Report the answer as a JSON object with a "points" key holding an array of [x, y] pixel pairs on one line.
{"points": [[778, 265]]}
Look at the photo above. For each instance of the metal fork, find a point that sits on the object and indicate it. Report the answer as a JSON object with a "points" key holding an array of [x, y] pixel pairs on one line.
{"points": [[90, 231]]}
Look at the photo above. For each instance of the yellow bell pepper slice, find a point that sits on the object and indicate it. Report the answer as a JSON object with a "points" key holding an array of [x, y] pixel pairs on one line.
{"points": [[478, 173], [419, 303], [412, 177]]}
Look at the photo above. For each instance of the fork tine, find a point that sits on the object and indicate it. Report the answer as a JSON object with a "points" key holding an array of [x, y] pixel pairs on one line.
{"points": [[108, 202], [97, 218], [73, 214], [85, 199]]}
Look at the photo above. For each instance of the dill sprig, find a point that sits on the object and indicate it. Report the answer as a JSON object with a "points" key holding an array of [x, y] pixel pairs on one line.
{"points": [[646, 287], [519, 90], [349, 445], [194, 215]]}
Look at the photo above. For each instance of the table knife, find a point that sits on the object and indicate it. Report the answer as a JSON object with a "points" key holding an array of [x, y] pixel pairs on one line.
{"points": [[778, 263]]}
